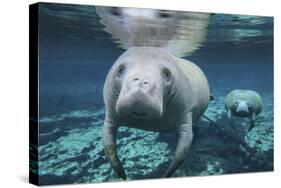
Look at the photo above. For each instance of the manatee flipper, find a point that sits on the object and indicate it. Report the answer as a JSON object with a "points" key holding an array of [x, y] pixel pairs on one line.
{"points": [[229, 114], [212, 97], [109, 142], [252, 121], [184, 141]]}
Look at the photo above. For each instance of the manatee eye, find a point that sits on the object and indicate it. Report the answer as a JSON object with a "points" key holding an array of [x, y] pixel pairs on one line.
{"points": [[164, 14], [115, 11], [236, 103], [120, 70], [166, 74], [248, 104]]}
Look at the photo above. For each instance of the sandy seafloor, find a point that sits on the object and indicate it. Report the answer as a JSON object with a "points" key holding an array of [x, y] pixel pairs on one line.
{"points": [[70, 145]]}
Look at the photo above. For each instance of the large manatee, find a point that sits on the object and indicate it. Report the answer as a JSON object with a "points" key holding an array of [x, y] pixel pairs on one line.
{"points": [[148, 88], [181, 33], [243, 103]]}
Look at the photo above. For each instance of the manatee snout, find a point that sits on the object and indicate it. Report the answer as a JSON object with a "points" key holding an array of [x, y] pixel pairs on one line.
{"points": [[242, 107], [142, 84], [140, 98]]}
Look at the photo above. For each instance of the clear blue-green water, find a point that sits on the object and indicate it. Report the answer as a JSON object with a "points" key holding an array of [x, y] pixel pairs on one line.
{"points": [[75, 55]]}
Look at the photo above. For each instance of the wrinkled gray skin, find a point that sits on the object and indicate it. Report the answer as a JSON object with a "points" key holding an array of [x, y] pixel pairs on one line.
{"points": [[243, 103], [150, 89]]}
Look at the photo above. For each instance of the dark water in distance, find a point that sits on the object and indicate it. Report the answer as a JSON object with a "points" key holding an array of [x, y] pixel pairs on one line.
{"points": [[75, 57]]}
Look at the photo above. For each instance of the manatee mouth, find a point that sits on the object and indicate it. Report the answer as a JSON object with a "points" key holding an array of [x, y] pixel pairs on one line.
{"points": [[138, 115], [242, 113], [139, 104]]}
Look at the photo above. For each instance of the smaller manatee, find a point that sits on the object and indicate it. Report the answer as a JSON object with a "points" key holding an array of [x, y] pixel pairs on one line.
{"points": [[243, 103]]}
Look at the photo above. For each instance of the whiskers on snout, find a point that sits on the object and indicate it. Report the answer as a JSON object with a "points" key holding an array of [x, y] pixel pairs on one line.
{"points": [[139, 105]]}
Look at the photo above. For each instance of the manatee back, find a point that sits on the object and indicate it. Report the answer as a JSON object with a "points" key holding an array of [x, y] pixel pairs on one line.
{"points": [[199, 85], [230, 98]]}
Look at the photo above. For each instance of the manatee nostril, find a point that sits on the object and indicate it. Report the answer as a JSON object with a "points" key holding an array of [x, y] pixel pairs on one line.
{"points": [[145, 82]]}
